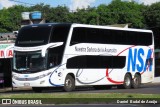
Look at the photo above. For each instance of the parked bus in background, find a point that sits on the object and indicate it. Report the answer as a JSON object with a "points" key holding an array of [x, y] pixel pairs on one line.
{"points": [[70, 55], [6, 56]]}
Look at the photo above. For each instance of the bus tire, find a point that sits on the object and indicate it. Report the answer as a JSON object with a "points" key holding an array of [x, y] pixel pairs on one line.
{"points": [[127, 82], [136, 81], [69, 84], [37, 89]]}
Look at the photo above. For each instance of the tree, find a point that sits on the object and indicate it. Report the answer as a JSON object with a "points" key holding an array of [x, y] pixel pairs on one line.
{"points": [[117, 12], [59, 14], [127, 12], [80, 16], [86, 16], [93, 16], [105, 16], [152, 15], [10, 18], [152, 18]]}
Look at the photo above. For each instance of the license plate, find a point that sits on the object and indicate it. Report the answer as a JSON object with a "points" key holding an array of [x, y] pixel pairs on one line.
{"points": [[26, 84]]}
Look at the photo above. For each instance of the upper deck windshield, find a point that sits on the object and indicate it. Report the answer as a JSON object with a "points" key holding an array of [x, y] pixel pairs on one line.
{"points": [[42, 34], [29, 62], [33, 36]]}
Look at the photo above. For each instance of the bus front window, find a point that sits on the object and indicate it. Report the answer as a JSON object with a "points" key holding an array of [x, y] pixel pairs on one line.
{"points": [[29, 61]]}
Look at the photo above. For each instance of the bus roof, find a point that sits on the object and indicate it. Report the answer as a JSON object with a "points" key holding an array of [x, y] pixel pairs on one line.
{"points": [[47, 24], [90, 26]]}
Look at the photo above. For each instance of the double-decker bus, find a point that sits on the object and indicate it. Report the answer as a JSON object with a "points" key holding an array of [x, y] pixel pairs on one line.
{"points": [[70, 55]]}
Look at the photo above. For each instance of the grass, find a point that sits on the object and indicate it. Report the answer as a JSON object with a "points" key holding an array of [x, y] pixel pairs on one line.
{"points": [[79, 95]]}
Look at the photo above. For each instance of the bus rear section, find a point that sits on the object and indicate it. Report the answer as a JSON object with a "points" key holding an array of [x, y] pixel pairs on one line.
{"points": [[105, 56]]}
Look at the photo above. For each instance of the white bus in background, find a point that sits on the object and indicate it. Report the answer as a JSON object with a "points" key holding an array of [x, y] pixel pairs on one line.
{"points": [[70, 55]]}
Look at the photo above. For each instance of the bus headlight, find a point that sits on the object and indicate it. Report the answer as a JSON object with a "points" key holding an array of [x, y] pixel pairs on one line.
{"points": [[41, 76], [44, 75], [14, 77]]}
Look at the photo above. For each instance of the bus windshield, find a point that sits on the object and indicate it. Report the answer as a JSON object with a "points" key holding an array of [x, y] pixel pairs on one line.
{"points": [[33, 36], [29, 62]]}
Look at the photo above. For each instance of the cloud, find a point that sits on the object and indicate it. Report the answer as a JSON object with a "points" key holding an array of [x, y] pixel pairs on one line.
{"points": [[79, 4], [148, 2], [6, 3]]}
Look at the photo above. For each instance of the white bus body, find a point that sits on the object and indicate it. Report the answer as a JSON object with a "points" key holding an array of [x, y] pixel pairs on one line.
{"points": [[82, 55]]}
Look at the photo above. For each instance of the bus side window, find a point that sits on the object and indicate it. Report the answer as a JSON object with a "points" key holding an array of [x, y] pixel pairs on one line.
{"points": [[52, 61], [52, 58], [78, 36]]}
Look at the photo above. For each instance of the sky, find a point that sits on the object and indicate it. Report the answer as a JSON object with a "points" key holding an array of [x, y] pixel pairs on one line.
{"points": [[72, 4]]}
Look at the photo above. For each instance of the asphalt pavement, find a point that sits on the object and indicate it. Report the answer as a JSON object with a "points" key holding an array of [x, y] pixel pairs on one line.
{"points": [[151, 88]]}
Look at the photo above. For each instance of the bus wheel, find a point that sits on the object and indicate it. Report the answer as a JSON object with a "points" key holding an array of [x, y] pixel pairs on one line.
{"points": [[127, 82], [37, 89], [69, 84], [136, 81]]}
